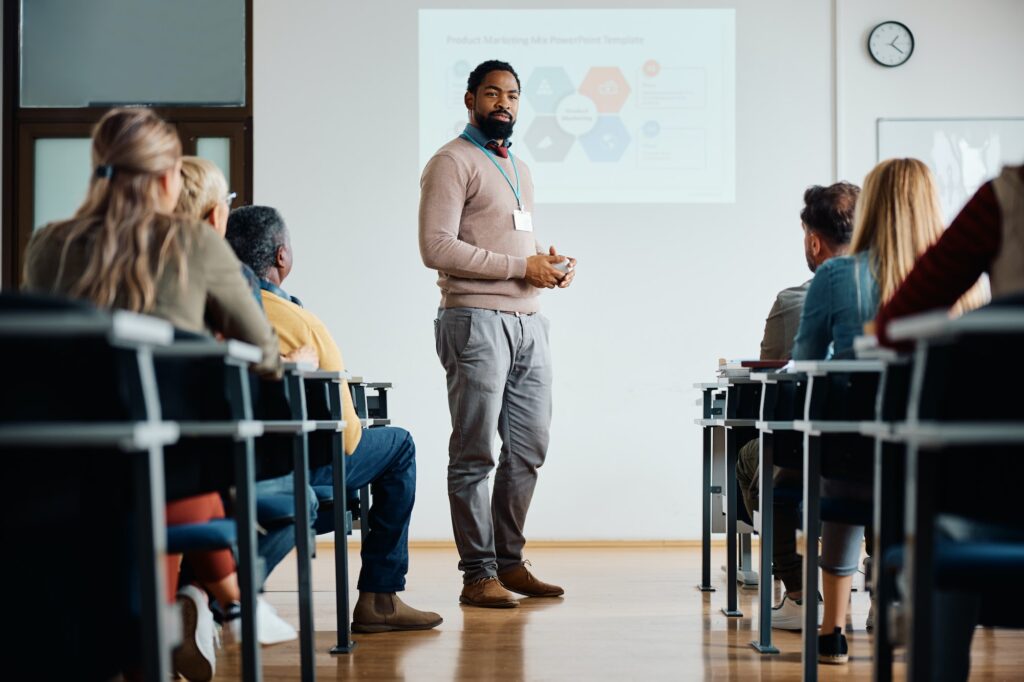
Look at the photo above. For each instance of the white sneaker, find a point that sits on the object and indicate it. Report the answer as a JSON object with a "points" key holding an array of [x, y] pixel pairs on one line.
{"points": [[789, 614], [270, 627], [195, 659]]}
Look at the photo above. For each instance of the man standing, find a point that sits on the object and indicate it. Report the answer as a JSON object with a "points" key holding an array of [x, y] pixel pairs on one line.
{"points": [[476, 230]]}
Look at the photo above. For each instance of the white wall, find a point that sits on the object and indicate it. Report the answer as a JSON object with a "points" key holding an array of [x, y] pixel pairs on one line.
{"points": [[662, 291], [968, 62]]}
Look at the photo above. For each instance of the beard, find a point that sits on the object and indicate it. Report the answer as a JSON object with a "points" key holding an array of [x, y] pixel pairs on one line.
{"points": [[494, 128], [810, 261]]}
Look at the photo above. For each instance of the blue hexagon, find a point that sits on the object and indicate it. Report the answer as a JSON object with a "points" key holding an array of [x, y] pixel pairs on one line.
{"points": [[607, 141], [546, 87]]}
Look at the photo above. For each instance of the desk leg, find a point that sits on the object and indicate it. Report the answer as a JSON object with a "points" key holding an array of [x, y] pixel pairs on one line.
{"points": [[812, 517], [345, 644], [151, 550], [248, 582], [705, 499], [920, 565], [764, 587], [731, 452], [303, 552], [888, 531]]}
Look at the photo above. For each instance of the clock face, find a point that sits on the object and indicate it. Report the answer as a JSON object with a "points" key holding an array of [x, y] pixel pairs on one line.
{"points": [[891, 43]]}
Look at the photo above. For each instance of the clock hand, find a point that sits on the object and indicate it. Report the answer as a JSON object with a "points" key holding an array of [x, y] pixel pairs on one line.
{"points": [[893, 44]]}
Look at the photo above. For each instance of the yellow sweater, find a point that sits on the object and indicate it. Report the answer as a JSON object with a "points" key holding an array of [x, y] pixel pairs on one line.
{"points": [[297, 327]]}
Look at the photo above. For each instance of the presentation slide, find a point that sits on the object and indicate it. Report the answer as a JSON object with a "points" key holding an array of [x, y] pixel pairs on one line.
{"points": [[617, 106]]}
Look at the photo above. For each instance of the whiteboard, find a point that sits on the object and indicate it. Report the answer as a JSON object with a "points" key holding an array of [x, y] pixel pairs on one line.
{"points": [[963, 153]]}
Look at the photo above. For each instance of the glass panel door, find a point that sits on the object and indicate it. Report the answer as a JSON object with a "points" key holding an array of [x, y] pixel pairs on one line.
{"points": [[217, 150], [61, 176]]}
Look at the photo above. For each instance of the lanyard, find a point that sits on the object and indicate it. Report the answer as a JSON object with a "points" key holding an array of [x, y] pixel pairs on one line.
{"points": [[490, 155]]}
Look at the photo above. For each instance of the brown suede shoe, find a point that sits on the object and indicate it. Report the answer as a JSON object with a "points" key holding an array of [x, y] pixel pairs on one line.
{"points": [[519, 579], [488, 593], [384, 612]]}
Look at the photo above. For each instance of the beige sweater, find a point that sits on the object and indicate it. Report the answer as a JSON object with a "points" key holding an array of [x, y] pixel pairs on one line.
{"points": [[215, 297], [467, 232], [1007, 273]]}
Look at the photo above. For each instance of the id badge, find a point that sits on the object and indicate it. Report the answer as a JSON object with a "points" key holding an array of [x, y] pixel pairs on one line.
{"points": [[523, 220]]}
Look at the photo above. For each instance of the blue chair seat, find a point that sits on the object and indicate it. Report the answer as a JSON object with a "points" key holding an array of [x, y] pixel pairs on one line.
{"points": [[970, 566], [198, 537]]}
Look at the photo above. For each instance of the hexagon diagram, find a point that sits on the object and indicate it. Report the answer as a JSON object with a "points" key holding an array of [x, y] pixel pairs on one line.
{"points": [[546, 87], [607, 87], [547, 141], [607, 141]]}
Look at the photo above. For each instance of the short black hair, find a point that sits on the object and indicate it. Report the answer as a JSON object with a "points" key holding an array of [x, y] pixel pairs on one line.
{"points": [[255, 233], [829, 211], [477, 75]]}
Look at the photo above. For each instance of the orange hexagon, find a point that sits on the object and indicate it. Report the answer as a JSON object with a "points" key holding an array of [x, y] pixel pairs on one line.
{"points": [[607, 87]]}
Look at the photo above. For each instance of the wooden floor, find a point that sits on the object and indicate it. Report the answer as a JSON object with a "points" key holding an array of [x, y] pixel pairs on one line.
{"points": [[628, 614]]}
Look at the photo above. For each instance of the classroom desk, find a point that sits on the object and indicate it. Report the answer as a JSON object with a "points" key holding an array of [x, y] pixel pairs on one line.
{"points": [[204, 386], [764, 519], [824, 416], [930, 426], [730, 410], [144, 434]]}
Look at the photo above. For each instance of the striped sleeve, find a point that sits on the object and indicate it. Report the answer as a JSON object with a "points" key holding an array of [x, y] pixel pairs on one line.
{"points": [[951, 265]]}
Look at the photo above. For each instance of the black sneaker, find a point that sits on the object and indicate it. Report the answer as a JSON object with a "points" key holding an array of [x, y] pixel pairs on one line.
{"points": [[832, 648]]}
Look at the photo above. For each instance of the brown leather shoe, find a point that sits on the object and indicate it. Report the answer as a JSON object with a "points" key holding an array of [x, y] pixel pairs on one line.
{"points": [[488, 593], [384, 612], [519, 579]]}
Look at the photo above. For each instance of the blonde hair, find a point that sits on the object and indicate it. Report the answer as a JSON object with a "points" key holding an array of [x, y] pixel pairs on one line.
{"points": [[898, 216], [128, 241], [203, 186]]}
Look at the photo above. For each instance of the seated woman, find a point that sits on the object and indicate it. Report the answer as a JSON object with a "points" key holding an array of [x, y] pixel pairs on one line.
{"points": [[125, 249], [205, 197], [986, 237], [896, 219]]}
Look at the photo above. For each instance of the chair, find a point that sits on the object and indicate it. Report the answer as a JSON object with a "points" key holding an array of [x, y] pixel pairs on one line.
{"points": [[79, 404], [204, 386], [840, 397], [950, 420], [281, 406]]}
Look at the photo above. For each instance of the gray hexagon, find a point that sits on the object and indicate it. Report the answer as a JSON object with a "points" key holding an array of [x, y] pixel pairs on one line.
{"points": [[546, 87], [547, 141], [607, 141]]}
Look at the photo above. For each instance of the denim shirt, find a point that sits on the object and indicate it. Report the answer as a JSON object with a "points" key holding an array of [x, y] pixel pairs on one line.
{"points": [[478, 136], [843, 296]]}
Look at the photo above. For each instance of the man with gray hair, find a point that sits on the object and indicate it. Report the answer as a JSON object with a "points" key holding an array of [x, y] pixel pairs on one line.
{"points": [[384, 456]]}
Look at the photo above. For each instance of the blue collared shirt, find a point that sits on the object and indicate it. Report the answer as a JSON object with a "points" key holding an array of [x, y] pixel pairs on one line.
{"points": [[478, 136], [279, 292]]}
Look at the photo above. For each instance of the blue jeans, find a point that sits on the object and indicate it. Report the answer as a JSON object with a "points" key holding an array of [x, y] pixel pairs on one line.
{"points": [[273, 547], [386, 457]]}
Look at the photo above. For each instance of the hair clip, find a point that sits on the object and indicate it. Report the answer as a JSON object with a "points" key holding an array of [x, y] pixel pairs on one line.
{"points": [[105, 171]]}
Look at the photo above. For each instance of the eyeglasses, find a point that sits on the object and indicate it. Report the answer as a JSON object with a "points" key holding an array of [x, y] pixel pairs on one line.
{"points": [[228, 199]]}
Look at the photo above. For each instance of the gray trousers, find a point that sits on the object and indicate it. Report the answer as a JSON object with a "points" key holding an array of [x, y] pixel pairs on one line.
{"points": [[499, 382]]}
